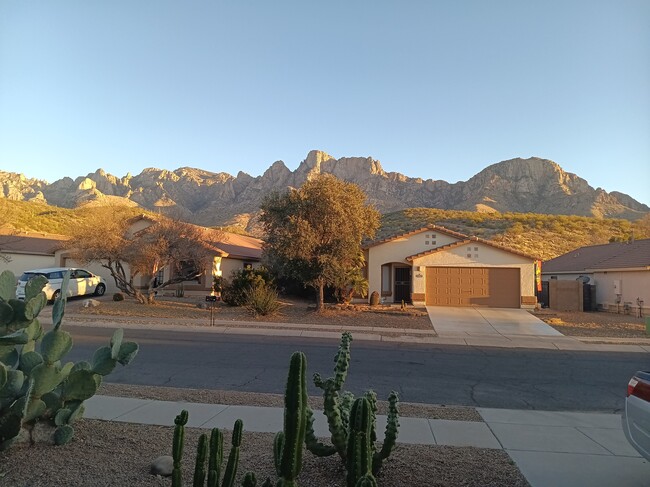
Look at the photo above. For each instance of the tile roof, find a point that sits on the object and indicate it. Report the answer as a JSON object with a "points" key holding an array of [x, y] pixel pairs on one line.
{"points": [[236, 245], [428, 228], [617, 255], [30, 243], [465, 242]]}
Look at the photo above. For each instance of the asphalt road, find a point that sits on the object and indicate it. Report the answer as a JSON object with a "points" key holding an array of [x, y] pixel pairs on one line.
{"points": [[452, 375]]}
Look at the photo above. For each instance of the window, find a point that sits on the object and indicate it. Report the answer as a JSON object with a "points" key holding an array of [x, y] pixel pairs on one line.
{"points": [[248, 266], [469, 256], [426, 242], [475, 249], [187, 268], [80, 274], [386, 284]]}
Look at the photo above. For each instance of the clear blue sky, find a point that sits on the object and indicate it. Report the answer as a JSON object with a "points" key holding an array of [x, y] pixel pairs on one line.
{"points": [[434, 89]]}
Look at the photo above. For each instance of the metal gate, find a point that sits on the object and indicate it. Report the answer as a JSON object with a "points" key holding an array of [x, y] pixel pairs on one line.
{"points": [[402, 284]]}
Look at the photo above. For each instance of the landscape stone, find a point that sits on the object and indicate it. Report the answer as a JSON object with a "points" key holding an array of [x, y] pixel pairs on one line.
{"points": [[90, 303], [163, 465]]}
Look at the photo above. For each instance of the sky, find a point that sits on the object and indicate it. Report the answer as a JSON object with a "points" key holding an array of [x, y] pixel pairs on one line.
{"points": [[432, 89]]}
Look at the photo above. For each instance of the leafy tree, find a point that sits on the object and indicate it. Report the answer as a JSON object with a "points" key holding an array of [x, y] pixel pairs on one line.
{"points": [[314, 234], [109, 240]]}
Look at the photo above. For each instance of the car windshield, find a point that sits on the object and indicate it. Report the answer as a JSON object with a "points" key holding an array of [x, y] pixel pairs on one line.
{"points": [[28, 275]]}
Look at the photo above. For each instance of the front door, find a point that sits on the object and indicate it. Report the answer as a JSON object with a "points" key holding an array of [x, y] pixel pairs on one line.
{"points": [[402, 284]]}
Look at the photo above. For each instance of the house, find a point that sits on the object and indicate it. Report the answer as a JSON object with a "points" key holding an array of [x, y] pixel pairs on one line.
{"points": [[21, 251], [439, 267], [619, 270], [231, 252]]}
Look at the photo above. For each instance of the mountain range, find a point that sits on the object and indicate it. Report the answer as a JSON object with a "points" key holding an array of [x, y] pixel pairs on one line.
{"points": [[530, 185]]}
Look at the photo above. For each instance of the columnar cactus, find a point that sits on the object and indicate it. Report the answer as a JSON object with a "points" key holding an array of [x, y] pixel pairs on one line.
{"points": [[337, 407], [334, 408], [287, 448], [359, 448], [177, 448], [211, 450], [34, 385]]}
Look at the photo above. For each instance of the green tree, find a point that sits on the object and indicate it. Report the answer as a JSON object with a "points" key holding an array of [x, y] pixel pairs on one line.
{"points": [[314, 234]]}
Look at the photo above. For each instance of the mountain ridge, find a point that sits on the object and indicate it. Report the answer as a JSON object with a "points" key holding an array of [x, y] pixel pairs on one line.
{"points": [[531, 185]]}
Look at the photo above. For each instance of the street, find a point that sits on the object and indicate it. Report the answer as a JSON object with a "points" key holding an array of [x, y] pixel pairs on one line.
{"points": [[451, 375]]}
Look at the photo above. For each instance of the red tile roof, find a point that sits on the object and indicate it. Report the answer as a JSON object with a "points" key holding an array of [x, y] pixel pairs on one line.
{"points": [[617, 255]]}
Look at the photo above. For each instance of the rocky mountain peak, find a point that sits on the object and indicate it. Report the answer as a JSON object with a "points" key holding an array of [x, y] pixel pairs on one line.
{"points": [[210, 198]]}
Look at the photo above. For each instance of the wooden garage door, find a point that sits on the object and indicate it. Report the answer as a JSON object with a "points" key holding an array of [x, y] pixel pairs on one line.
{"points": [[497, 287]]}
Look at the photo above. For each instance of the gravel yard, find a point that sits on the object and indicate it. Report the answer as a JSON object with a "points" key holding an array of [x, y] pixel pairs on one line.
{"points": [[293, 311], [105, 453], [594, 324]]}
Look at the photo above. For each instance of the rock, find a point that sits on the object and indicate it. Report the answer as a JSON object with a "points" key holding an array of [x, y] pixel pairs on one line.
{"points": [[90, 303], [202, 305], [163, 465]]}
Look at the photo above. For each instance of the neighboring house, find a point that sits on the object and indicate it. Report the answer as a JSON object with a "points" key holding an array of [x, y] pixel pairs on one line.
{"points": [[438, 267], [232, 252], [22, 251], [620, 272]]}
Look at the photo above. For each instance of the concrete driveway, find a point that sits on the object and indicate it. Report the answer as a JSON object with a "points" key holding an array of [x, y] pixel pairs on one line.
{"points": [[487, 322]]}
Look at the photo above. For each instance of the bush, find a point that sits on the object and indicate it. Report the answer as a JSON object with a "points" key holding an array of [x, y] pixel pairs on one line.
{"points": [[240, 281], [261, 299], [118, 297]]}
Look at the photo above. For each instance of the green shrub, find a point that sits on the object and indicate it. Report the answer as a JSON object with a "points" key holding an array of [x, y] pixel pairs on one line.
{"points": [[234, 289], [118, 297], [261, 299]]}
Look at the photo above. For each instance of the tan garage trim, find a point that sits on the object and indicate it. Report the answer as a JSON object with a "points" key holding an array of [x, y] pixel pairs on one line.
{"points": [[496, 287]]}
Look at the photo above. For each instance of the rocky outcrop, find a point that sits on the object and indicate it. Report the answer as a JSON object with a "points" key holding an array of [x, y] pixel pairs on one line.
{"points": [[517, 185]]}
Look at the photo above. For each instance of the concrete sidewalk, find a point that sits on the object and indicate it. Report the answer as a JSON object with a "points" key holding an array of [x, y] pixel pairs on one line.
{"points": [[550, 448]]}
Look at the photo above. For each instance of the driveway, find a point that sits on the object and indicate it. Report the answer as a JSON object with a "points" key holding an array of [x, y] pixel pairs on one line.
{"points": [[487, 322]]}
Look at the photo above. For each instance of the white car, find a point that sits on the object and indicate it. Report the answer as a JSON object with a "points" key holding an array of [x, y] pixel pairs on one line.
{"points": [[81, 282], [636, 415]]}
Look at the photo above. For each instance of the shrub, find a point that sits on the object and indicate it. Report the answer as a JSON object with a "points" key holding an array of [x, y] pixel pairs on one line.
{"points": [[234, 290], [118, 297], [261, 299]]}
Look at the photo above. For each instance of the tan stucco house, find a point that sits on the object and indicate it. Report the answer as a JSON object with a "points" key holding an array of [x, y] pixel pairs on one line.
{"points": [[619, 270], [439, 267]]}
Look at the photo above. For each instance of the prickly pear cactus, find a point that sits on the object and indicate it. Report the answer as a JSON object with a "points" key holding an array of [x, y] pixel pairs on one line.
{"points": [[35, 385]]}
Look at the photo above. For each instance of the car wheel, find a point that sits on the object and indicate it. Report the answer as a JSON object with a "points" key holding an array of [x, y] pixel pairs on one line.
{"points": [[55, 295], [100, 290]]}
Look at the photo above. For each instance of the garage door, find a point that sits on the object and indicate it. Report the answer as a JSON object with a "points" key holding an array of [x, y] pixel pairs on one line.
{"points": [[473, 286]]}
